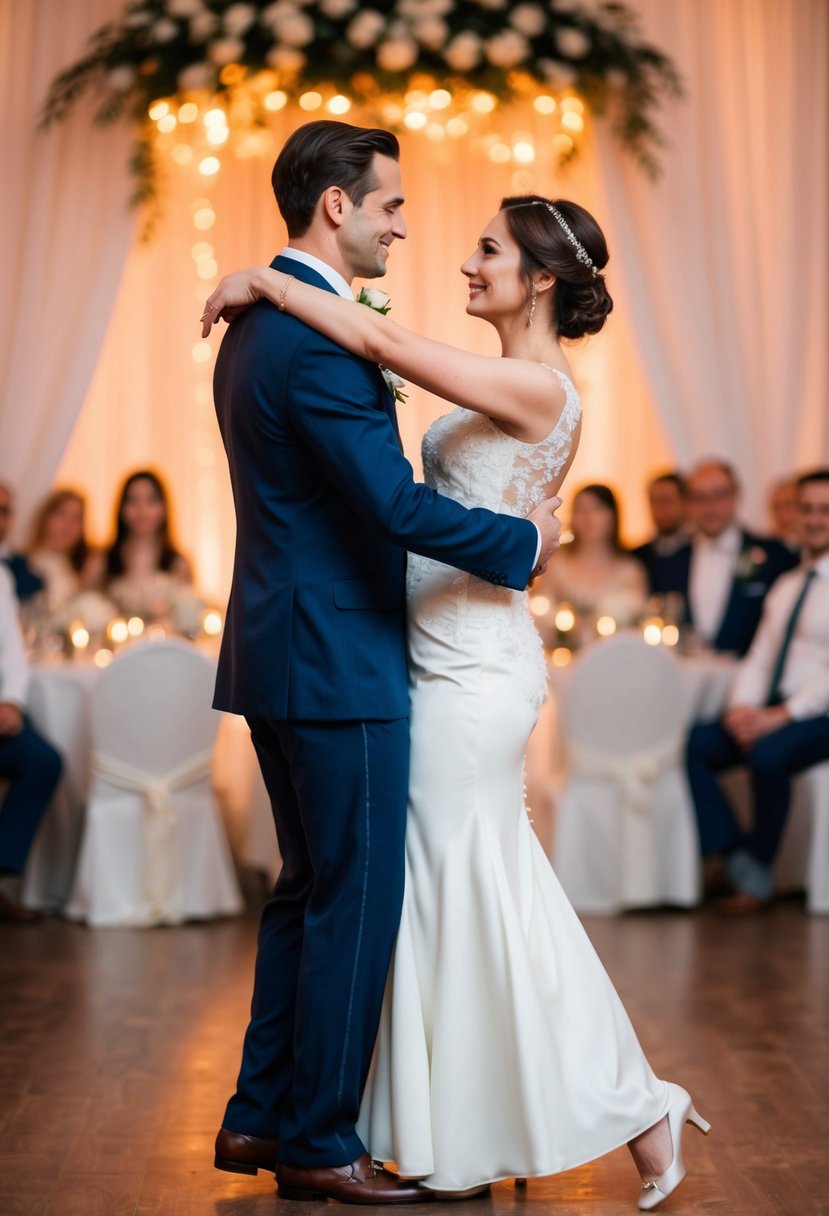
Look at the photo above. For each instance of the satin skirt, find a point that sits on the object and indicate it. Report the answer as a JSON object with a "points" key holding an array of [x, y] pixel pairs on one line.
{"points": [[503, 1048]]}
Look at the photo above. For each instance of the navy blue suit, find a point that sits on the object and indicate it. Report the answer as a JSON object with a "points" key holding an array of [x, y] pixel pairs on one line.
{"points": [[314, 656], [745, 601], [26, 582]]}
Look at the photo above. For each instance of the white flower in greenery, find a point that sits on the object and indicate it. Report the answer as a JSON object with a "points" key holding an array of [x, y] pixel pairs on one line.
{"points": [[396, 54], [295, 29], [365, 29], [226, 50], [335, 9], [573, 43], [464, 52], [528, 19], [122, 78], [507, 49], [184, 8], [431, 32], [164, 30], [286, 59], [202, 25], [374, 298], [239, 18], [196, 76]]}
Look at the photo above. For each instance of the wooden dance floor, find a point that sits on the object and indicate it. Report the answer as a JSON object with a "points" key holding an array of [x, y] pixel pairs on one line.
{"points": [[119, 1048]]}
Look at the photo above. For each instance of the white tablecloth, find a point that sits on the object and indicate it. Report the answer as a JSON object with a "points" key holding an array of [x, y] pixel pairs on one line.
{"points": [[59, 705]]}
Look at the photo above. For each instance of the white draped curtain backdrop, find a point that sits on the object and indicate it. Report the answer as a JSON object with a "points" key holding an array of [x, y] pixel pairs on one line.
{"points": [[719, 272]]}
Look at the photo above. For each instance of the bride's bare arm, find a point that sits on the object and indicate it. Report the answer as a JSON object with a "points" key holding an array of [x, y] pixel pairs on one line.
{"points": [[514, 391]]}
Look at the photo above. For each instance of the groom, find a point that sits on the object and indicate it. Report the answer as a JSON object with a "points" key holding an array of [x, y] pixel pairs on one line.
{"points": [[314, 656]]}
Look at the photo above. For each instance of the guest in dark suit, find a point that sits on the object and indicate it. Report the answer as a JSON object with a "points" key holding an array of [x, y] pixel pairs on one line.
{"points": [[726, 571], [26, 582], [777, 723], [314, 656], [668, 503], [28, 763]]}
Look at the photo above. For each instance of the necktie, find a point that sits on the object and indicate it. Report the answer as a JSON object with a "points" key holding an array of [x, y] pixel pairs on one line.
{"points": [[775, 696]]}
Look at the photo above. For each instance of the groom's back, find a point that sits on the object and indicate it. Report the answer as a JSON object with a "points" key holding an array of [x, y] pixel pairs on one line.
{"points": [[315, 622]]}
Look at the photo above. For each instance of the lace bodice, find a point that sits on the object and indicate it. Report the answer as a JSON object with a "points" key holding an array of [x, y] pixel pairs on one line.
{"points": [[469, 458]]}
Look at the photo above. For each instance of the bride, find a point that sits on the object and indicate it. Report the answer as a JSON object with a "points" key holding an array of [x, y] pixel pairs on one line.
{"points": [[504, 1050]]}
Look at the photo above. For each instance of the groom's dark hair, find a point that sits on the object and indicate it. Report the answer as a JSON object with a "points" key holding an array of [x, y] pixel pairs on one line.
{"points": [[322, 154]]}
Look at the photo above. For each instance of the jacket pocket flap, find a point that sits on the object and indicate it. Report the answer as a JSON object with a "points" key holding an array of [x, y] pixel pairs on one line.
{"points": [[379, 594]]}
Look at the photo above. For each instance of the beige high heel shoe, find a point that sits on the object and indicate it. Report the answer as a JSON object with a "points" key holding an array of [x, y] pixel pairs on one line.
{"points": [[680, 1112]]}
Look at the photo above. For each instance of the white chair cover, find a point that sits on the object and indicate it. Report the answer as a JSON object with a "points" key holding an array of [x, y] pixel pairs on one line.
{"points": [[625, 830], [154, 848], [803, 861]]}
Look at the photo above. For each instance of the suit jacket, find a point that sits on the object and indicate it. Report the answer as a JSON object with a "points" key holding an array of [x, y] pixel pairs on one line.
{"points": [[660, 567], [326, 507], [26, 582], [761, 561]]}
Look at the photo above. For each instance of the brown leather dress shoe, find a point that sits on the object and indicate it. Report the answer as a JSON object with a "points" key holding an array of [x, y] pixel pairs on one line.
{"points": [[240, 1154], [742, 904], [360, 1182], [15, 913]]}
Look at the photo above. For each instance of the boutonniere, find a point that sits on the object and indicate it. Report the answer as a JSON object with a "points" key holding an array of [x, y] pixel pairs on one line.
{"points": [[372, 297], [750, 563]]}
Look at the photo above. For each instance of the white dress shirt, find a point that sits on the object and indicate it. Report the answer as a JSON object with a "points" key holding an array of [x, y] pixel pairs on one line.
{"points": [[342, 288], [332, 277], [805, 680], [14, 670], [713, 563]]}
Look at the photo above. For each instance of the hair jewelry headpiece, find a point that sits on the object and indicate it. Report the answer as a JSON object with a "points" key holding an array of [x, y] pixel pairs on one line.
{"points": [[581, 253]]}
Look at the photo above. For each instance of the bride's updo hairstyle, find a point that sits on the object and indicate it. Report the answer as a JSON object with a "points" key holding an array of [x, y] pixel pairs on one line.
{"points": [[564, 239]]}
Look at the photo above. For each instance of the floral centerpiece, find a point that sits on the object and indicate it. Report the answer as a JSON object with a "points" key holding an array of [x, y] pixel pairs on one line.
{"points": [[263, 54]]}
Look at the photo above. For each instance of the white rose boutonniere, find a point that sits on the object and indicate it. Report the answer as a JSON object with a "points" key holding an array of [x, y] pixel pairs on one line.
{"points": [[374, 298], [750, 563]]}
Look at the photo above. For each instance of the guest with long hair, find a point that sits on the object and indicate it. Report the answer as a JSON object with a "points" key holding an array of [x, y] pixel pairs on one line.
{"points": [[595, 574], [143, 563], [58, 549]]}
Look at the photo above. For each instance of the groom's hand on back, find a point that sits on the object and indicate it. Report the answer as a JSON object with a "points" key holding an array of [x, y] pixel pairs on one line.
{"points": [[544, 517]]}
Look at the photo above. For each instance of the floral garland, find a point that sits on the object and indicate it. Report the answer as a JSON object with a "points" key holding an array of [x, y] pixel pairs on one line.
{"points": [[166, 48]]}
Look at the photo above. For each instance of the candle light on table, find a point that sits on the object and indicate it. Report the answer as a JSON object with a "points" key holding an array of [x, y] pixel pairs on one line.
{"points": [[565, 618], [117, 630], [605, 626], [79, 636], [670, 635], [212, 623], [135, 626], [652, 631], [561, 656]]}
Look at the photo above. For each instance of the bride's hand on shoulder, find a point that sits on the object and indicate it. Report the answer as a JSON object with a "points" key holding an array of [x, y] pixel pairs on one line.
{"points": [[234, 294]]}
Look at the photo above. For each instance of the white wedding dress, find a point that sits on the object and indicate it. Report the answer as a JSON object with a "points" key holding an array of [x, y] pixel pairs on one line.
{"points": [[503, 1049]]}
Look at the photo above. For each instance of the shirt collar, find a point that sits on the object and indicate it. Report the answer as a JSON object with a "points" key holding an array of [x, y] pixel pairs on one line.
{"points": [[729, 541], [331, 276], [821, 567]]}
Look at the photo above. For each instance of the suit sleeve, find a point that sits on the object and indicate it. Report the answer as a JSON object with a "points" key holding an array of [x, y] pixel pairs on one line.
{"points": [[333, 402]]}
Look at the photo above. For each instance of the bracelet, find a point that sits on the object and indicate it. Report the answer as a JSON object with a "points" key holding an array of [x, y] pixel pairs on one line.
{"points": [[281, 302]]}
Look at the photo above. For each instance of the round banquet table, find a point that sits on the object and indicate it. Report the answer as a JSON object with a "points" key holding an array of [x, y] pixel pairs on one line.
{"points": [[707, 677], [60, 697]]}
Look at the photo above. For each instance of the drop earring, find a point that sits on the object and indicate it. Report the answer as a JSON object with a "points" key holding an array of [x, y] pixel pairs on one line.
{"points": [[533, 299]]}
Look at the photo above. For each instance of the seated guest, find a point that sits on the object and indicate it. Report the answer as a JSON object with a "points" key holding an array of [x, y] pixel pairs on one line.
{"points": [[777, 723], [26, 582], [143, 565], [58, 550], [724, 574], [594, 573], [29, 766], [668, 502], [783, 512]]}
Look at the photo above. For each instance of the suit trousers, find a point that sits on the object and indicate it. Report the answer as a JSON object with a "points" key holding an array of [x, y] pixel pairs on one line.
{"points": [[771, 763], [33, 768], [338, 791]]}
